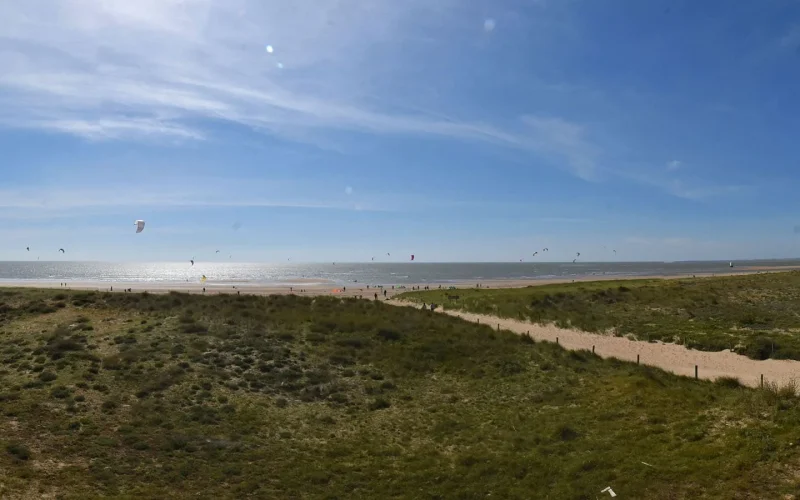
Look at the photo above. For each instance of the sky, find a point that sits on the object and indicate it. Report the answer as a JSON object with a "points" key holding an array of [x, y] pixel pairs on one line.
{"points": [[340, 130]]}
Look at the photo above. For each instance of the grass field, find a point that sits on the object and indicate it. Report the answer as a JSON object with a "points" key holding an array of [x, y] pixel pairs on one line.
{"points": [[758, 315], [178, 396]]}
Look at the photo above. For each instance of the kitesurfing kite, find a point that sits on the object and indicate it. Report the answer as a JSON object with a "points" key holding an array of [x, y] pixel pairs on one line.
{"points": [[545, 250], [203, 279], [387, 253], [217, 251], [61, 250], [192, 261], [578, 254], [573, 260], [412, 256], [28, 248], [535, 254], [139, 226], [615, 252]]}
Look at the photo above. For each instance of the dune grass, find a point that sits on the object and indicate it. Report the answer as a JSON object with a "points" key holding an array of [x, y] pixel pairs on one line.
{"points": [[178, 396], [757, 315]]}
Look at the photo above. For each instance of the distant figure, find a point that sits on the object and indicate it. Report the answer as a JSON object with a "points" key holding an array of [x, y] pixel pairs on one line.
{"points": [[344, 288], [376, 296], [424, 306], [291, 289], [204, 289], [384, 293], [112, 288], [238, 292]]}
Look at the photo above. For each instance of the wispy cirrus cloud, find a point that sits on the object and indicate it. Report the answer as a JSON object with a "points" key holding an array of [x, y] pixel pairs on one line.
{"points": [[115, 128], [674, 165], [111, 69], [48, 201], [567, 141], [693, 189], [672, 241], [791, 38]]}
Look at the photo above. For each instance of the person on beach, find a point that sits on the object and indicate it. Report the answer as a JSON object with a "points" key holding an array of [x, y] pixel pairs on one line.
{"points": [[376, 296], [384, 293], [204, 289]]}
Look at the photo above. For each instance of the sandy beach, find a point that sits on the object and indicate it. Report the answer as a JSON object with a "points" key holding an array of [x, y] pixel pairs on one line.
{"points": [[314, 287]]}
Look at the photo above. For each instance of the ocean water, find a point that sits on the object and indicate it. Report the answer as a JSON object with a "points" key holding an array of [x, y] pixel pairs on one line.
{"points": [[368, 273]]}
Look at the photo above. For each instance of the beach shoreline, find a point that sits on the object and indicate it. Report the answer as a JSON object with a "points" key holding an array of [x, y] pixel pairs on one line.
{"points": [[317, 287]]}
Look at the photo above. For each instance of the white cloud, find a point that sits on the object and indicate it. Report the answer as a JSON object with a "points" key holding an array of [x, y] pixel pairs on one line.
{"points": [[566, 140], [109, 129], [109, 69], [674, 165], [348, 190], [646, 241], [681, 190], [46, 202], [693, 189], [791, 38]]}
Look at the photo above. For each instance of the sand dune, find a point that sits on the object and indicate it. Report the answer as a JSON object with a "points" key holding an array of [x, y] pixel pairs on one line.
{"points": [[671, 357]]}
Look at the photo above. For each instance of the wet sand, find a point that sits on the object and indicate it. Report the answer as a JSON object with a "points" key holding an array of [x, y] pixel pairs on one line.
{"points": [[315, 287]]}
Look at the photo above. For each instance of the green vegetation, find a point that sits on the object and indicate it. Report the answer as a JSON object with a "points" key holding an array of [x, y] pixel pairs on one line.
{"points": [[178, 396], [757, 315]]}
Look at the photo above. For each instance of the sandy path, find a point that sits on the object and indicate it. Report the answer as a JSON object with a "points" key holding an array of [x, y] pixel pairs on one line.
{"points": [[670, 357]]}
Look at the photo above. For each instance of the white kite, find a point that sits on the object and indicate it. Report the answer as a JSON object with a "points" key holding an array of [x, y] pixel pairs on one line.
{"points": [[139, 226]]}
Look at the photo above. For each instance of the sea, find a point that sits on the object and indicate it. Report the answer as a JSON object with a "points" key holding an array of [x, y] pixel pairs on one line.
{"points": [[260, 274]]}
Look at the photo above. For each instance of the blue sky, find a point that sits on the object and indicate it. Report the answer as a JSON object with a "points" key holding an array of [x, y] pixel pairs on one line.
{"points": [[457, 131]]}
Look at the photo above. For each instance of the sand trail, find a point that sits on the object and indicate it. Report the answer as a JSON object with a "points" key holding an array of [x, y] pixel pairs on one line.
{"points": [[670, 357]]}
